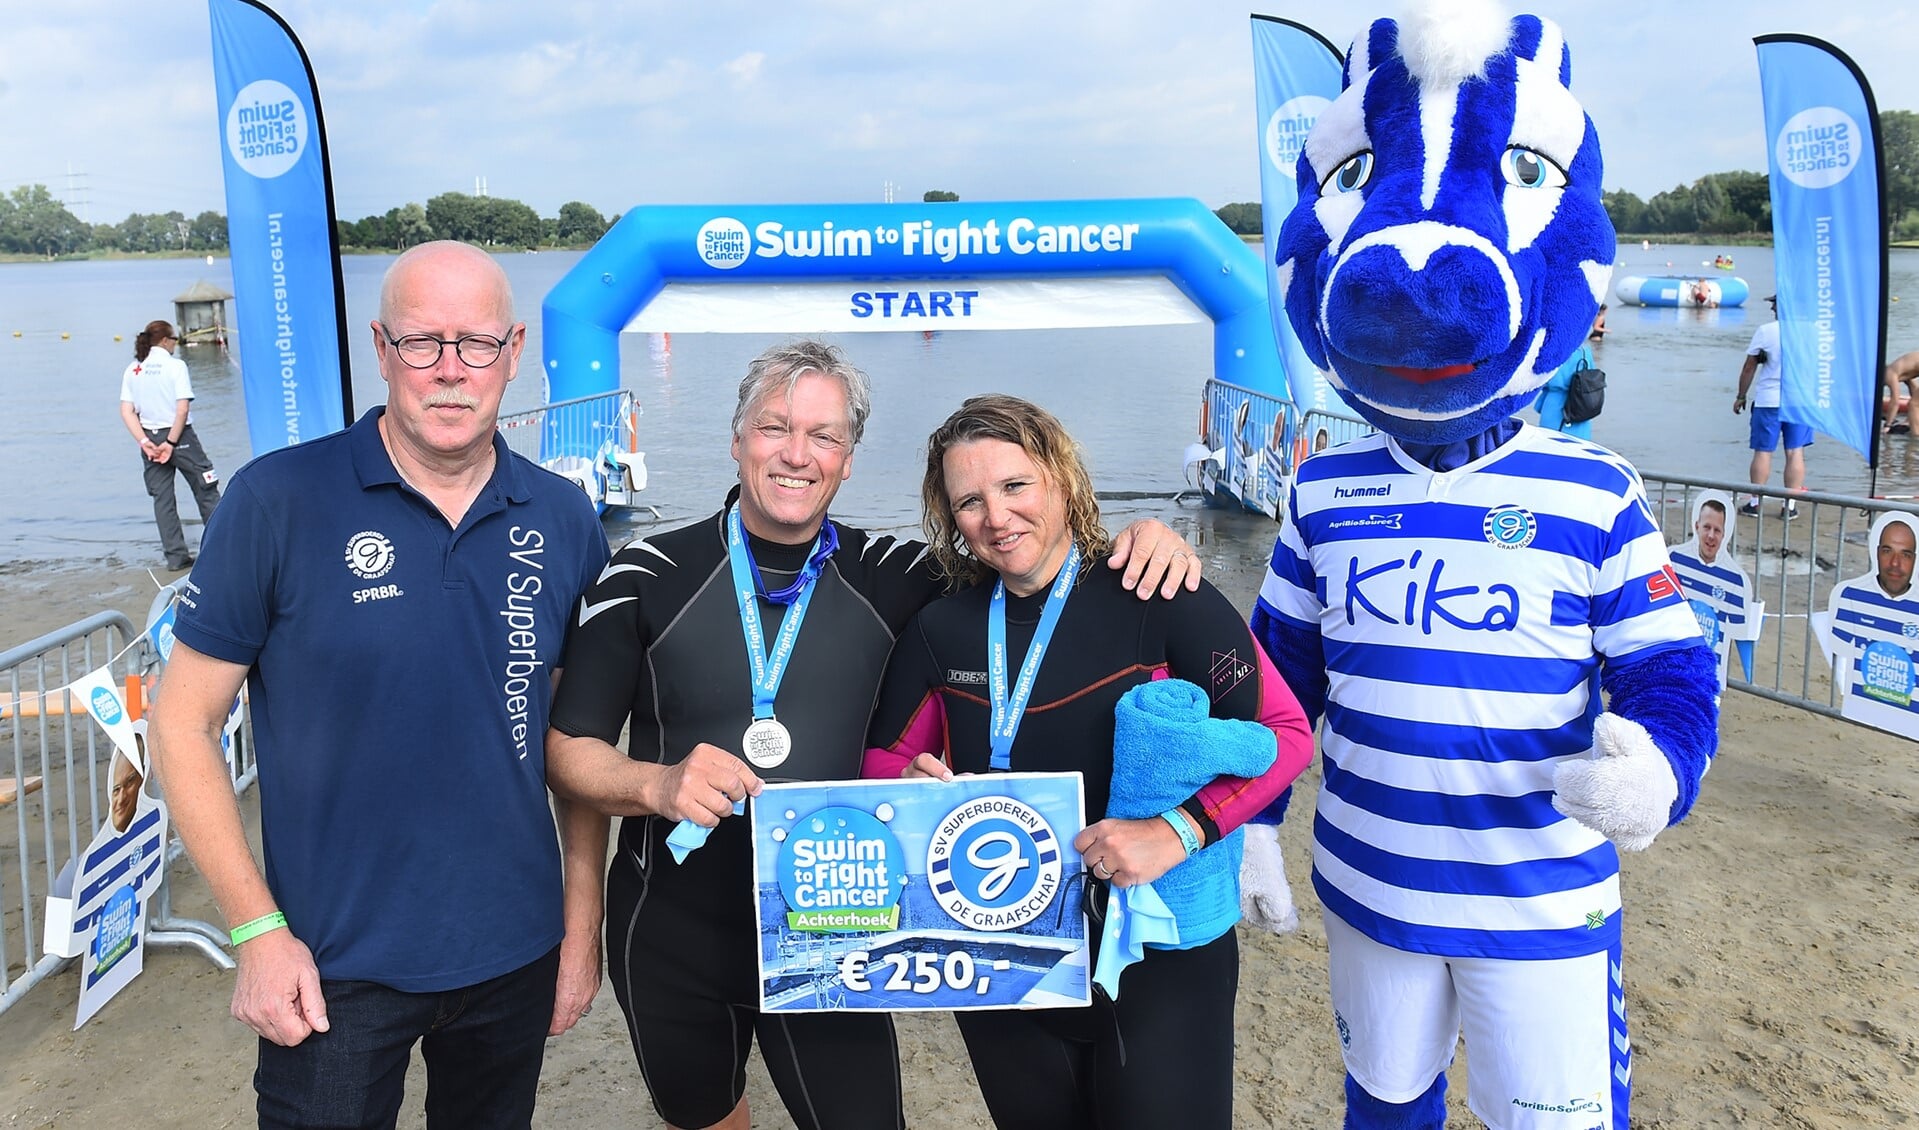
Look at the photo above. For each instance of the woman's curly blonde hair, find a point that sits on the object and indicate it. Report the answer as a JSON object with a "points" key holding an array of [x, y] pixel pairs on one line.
{"points": [[1044, 439]]}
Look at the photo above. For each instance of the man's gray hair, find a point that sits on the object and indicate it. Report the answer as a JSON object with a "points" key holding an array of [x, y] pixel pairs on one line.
{"points": [[782, 367]]}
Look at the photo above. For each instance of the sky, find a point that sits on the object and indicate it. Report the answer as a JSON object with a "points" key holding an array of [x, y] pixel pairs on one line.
{"points": [[110, 103]]}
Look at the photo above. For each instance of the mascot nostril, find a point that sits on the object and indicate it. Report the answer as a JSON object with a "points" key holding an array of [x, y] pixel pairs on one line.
{"points": [[1458, 299], [1478, 583]]}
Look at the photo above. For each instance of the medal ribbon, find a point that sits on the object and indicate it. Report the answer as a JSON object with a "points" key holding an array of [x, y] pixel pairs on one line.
{"points": [[769, 669], [1009, 709]]}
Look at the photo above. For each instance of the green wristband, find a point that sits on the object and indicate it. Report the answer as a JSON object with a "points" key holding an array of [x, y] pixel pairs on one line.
{"points": [[265, 924]]}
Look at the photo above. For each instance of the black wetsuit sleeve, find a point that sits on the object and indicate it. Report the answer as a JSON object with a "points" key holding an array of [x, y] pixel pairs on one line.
{"points": [[604, 652]]}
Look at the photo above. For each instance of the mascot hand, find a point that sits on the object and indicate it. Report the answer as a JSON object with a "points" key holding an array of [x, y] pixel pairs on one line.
{"points": [[1624, 791], [1264, 895]]}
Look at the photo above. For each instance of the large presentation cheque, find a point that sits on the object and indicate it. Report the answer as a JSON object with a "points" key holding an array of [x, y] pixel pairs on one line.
{"points": [[921, 894]]}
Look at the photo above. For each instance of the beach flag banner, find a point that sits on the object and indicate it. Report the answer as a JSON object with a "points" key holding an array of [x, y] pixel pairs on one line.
{"points": [[920, 894], [1295, 76], [118, 874], [1829, 237], [289, 305]]}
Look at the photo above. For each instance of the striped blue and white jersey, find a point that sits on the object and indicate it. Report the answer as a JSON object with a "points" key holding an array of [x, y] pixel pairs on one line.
{"points": [[1464, 617], [1718, 595]]}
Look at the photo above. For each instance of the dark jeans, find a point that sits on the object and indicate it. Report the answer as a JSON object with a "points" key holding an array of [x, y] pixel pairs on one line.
{"points": [[483, 1047], [190, 462]]}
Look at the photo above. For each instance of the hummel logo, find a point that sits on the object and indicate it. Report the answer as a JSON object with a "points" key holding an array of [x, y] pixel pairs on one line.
{"points": [[1362, 492]]}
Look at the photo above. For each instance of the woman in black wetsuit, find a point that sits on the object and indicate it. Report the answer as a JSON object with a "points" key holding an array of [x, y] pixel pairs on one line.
{"points": [[1010, 513]]}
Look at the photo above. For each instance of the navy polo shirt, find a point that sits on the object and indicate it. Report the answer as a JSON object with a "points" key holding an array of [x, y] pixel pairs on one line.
{"points": [[401, 671]]}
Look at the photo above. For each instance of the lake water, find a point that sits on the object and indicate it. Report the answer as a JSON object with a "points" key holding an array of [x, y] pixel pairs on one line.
{"points": [[1131, 396]]}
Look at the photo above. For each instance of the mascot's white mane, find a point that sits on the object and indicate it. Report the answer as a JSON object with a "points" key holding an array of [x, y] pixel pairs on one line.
{"points": [[1445, 44]]}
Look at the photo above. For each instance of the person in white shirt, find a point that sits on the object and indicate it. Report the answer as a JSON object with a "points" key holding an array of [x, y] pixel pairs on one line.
{"points": [[1760, 378], [155, 395]]}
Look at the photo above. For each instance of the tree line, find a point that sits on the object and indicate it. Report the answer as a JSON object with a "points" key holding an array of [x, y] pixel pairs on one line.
{"points": [[34, 222], [1725, 204], [490, 221]]}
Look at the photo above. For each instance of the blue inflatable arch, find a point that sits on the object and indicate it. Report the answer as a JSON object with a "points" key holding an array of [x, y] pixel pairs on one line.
{"points": [[837, 268]]}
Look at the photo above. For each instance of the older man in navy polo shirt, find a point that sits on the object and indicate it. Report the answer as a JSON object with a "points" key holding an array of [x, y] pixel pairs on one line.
{"points": [[395, 596]]}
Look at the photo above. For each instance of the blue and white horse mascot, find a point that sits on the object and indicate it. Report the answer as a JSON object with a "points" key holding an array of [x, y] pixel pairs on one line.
{"points": [[1456, 593]]}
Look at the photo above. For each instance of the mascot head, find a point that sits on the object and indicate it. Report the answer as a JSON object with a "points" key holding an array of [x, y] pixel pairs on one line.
{"points": [[1449, 249]]}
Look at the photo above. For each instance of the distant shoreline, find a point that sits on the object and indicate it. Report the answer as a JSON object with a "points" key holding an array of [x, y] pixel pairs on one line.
{"points": [[140, 256], [1695, 240]]}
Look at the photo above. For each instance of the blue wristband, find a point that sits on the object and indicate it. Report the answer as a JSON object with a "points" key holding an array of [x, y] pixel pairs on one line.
{"points": [[1188, 838]]}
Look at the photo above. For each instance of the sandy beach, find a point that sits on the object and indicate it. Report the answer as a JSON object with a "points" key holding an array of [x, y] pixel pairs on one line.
{"points": [[1770, 965]]}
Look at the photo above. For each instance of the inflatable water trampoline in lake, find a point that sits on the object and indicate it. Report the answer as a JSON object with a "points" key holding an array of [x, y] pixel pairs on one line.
{"points": [[1636, 290]]}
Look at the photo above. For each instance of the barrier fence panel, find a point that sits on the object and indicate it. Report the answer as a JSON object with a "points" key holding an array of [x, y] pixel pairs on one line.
{"points": [[53, 779], [55, 766], [1246, 435], [1254, 441], [593, 440], [1320, 429], [1791, 565]]}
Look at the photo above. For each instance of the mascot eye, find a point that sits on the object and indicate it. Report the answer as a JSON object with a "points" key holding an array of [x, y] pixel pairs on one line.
{"points": [[1350, 176], [1528, 169]]}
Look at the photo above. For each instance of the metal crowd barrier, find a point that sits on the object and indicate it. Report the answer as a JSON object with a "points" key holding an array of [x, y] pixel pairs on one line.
{"points": [[1320, 429], [1254, 441], [593, 440], [1791, 564], [54, 778]]}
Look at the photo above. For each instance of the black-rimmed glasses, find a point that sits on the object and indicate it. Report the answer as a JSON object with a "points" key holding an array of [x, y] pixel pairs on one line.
{"points": [[422, 351]]}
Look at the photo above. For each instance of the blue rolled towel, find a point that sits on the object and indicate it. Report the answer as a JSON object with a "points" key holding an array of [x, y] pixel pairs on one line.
{"points": [[1166, 745], [688, 837]]}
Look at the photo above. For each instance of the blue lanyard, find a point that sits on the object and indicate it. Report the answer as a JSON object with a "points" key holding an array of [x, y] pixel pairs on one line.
{"points": [[768, 670], [1008, 710]]}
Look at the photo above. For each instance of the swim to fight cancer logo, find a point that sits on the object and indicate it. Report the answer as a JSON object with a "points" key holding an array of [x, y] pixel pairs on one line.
{"points": [[1819, 147], [994, 863], [268, 127], [106, 707], [369, 554], [723, 242], [1510, 527], [1286, 130], [1886, 674]]}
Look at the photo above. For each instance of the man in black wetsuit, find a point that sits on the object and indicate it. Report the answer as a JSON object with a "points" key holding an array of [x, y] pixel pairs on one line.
{"points": [[665, 640]]}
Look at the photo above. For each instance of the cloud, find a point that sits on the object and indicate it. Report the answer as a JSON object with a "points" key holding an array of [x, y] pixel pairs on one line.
{"points": [[813, 100], [746, 68]]}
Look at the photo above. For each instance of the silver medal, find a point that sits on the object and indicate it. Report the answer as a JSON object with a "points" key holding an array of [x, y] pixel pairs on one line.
{"points": [[766, 743]]}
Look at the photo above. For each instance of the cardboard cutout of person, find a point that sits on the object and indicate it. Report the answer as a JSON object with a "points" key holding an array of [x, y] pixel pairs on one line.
{"points": [[1713, 582], [1870, 632], [117, 875]]}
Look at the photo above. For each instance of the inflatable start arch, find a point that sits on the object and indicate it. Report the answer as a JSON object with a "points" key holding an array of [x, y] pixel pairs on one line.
{"points": [[846, 268]]}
